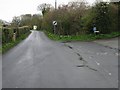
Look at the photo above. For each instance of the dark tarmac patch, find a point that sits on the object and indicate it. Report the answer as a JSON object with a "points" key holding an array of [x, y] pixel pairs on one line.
{"points": [[65, 41], [91, 68], [82, 59], [77, 53], [112, 48], [70, 47], [80, 66], [85, 64]]}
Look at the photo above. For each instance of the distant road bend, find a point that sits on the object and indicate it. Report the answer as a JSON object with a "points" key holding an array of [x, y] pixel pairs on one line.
{"points": [[38, 62]]}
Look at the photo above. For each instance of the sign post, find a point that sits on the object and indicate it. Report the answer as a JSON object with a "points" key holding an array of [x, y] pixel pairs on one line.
{"points": [[54, 24], [14, 37]]}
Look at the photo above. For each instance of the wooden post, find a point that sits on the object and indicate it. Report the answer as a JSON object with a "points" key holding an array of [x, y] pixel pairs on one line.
{"points": [[14, 37]]}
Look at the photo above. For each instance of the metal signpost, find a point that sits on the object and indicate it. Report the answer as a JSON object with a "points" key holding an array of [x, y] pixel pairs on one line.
{"points": [[95, 30], [54, 24]]}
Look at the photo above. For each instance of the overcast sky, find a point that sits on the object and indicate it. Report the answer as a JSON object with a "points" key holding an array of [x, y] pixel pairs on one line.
{"points": [[11, 8]]}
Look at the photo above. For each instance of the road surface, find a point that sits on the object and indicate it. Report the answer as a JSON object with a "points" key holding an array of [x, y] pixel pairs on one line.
{"points": [[38, 62], [113, 43]]}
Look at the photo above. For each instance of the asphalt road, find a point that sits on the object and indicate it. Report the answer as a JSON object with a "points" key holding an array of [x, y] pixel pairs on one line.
{"points": [[38, 62], [113, 43]]}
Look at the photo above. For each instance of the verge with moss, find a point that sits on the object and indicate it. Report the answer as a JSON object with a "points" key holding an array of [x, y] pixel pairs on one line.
{"points": [[85, 37]]}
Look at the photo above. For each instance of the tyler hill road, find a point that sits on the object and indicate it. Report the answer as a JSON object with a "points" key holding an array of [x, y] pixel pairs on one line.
{"points": [[38, 62]]}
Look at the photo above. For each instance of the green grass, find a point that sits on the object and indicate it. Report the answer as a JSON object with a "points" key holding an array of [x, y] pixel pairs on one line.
{"points": [[7, 46], [88, 37]]}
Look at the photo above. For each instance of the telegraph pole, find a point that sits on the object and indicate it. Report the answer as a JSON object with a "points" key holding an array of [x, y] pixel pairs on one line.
{"points": [[54, 22], [55, 4]]}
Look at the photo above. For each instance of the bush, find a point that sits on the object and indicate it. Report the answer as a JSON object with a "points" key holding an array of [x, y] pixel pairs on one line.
{"points": [[7, 33]]}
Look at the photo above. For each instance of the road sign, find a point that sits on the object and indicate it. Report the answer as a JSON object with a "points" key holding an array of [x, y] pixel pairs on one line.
{"points": [[34, 27], [55, 23]]}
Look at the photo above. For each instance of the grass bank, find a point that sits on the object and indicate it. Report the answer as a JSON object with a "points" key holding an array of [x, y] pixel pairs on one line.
{"points": [[88, 37], [7, 46]]}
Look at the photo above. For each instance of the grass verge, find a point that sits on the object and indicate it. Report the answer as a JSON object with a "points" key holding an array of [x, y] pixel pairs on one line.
{"points": [[88, 37], [7, 46]]}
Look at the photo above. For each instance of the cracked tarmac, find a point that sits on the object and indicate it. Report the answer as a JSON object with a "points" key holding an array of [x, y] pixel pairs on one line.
{"points": [[38, 62]]}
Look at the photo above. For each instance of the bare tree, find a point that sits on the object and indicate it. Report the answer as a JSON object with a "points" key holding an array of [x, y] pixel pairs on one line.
{"points": [[44, 8], [16, 21]]}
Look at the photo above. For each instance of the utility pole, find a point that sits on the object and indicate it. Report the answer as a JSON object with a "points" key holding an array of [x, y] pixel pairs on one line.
{"points": [[55, 4]]}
